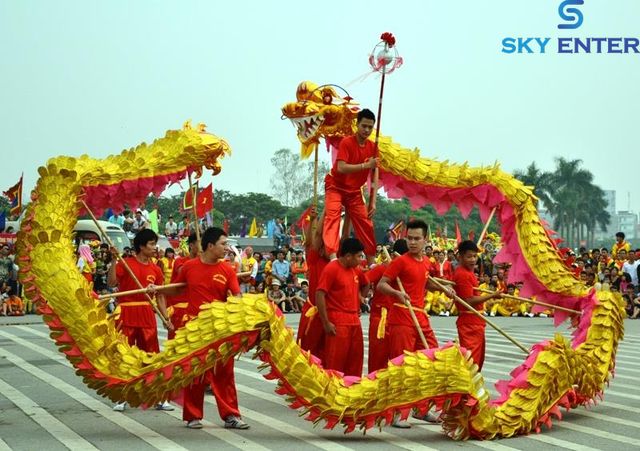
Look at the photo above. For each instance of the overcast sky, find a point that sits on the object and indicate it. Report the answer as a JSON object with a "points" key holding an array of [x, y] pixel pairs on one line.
{"points": [[97, 77]]}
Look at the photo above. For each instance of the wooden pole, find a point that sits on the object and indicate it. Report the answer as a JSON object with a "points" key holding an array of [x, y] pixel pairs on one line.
{"points": [[486, 226], [194, 197], [413, 316], [486, 320], [119, 294], [531, 301], [375, 174], [165, 321]]}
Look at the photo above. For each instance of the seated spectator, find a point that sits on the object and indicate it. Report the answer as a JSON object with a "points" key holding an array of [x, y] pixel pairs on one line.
{"points": [[632, 302], [301, 296], [277, 296], [290, 291], [299, 268]]}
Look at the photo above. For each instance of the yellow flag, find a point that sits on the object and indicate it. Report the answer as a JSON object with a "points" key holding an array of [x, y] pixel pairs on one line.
{"points": [[253, 230]]}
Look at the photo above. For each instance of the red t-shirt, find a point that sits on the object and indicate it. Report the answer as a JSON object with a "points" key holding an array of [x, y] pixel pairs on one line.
{"points": [[351, 152], [466, 281], [207, 282], [413, 275], [137, 315], [379, 300], [316, 264], [172, 300], [341, 286]]}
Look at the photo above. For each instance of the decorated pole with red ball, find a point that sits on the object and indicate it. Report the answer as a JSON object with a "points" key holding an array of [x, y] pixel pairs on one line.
{"points": [[384, 58]]}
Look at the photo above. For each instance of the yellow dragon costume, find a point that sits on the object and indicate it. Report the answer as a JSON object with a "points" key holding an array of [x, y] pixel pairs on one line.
{"points": [[556, 373]]}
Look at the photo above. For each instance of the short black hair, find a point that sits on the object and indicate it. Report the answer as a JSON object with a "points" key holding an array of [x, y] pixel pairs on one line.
{"points": [[418, 224], [620, 235], [143, 237], [400, 246], [192, 238], [467, 245], [211, 236], [351, 246], [366, 114], [168, 251]]}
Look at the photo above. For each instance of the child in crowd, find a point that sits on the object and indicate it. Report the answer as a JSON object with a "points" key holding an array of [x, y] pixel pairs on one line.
{"points": [[277, 296]]}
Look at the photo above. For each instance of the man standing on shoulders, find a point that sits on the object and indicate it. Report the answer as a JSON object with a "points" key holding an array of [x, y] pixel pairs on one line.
{"points": [[209, 279], [355, 160], [137, 320], [338, 301]]}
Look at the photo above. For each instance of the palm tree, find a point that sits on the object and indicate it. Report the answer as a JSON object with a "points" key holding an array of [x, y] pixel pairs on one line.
{"points": [[539, 180], [576, 204]]}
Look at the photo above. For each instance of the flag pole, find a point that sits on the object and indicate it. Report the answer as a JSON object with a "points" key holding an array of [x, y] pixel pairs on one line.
{"points": [[375, 174], [194, 196], [486, 226]]}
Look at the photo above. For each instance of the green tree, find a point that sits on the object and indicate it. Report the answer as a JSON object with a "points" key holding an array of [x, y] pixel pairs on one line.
{"points": [[292, 180], [575, 203]]}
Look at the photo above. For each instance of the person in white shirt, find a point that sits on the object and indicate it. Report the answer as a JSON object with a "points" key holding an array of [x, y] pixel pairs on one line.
{"points": [[631, 267]]}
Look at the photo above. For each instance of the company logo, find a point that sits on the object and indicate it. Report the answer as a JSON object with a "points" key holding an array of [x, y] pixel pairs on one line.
{"points": [[573, 16]]}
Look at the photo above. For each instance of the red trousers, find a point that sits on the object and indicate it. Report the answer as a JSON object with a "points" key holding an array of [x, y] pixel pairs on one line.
{"points": [[223, 383], [146, 338], [406, 338], [310, 333], [378, 348], [344, 351], [334, 200], [471, 335]]}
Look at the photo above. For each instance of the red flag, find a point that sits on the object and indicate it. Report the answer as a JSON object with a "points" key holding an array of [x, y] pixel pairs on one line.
{"points": [[397, 230], [187, 200], [15, 198], [225, 226], [204, 201], [458, 234], [305, 218]]}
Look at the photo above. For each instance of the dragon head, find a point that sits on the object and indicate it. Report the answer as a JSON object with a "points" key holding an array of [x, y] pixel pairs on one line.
{"points": [[320, 112]]}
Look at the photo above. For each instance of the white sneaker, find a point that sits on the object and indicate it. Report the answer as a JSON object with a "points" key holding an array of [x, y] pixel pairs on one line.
{"points": [[514, 314], [119, 407], [233, 422], [492, 314], [543, 315], [400, 424], [530, 315], [447, 313], [166, 406], [194, 424], [442, 314]]}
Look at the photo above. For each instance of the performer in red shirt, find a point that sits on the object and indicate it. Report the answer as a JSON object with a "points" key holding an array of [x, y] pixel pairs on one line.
{"points": [[209, 278], [413, 271], [137, 320], [338, 301], [470, 326], [177, 305], [379, 347], [310, 330], [356, 157]]}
